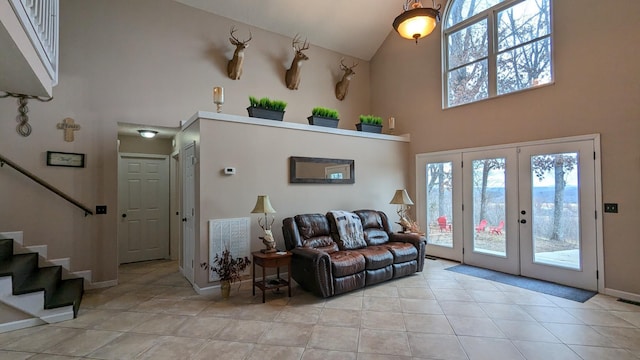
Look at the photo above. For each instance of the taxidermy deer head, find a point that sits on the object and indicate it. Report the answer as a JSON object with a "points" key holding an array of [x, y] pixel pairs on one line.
{"points": [[234, 67], [343, 85], [292, 77]]}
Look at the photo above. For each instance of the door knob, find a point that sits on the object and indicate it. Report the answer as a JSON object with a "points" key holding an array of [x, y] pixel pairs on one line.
{"points": [[523, 221], [523, 212], [184, 219], [124, 215]]}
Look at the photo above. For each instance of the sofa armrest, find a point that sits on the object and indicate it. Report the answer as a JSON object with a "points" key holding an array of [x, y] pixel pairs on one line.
{"points": [[312, 270], [418, 241]]}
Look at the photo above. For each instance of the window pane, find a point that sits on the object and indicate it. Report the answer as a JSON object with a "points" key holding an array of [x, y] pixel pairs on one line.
{"points": [[464, 9], [524, 67], [556, 211], [468, 84], [489, 210], [468, 44], [522, 23], [439, 204]]}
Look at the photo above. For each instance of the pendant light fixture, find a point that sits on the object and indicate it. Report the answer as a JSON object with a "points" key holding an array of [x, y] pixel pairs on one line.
{"points": [[416, 21]]}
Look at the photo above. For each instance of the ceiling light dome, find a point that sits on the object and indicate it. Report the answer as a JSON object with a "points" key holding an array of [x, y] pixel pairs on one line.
{"points": [[416, 22], [149, 134]]}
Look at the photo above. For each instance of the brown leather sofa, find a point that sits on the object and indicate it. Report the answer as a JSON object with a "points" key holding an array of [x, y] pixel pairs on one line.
{"points": [[322, 264]]}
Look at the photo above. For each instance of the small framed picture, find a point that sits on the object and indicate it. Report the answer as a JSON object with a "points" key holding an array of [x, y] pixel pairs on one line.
{"points": [[56, 158]]}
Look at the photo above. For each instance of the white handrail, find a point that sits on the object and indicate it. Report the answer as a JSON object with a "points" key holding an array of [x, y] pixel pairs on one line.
{"points": [[40, 20]]}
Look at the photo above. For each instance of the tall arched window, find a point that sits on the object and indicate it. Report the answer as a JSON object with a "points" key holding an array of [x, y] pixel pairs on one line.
{"points": [[495, 47]]}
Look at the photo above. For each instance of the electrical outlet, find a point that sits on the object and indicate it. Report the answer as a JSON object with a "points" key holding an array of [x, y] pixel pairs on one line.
{"points": [[101, 209], [610, 208]]}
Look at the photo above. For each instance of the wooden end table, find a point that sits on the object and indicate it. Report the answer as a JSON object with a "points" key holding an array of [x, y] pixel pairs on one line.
{"points": [[272, 260]]}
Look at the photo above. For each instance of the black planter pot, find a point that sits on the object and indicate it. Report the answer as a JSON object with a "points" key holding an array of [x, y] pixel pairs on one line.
{"points": [[323, 121], [369, 128], [265, 113]]}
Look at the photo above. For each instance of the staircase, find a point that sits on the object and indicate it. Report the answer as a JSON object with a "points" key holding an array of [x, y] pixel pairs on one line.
{"points": [[39, 291]]}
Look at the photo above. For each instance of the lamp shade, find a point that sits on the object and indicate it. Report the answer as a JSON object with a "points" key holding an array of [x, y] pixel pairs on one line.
{"points": [[263, 206], [401, 198], [416, 23]]}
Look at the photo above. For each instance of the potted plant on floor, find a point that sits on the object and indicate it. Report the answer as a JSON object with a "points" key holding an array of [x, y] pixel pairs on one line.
{"points": [[322, 116], [229, 270], [266, 108], [370, 123]]}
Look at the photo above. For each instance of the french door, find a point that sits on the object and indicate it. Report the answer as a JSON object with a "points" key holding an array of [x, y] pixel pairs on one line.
{"points": [[525, 209]]}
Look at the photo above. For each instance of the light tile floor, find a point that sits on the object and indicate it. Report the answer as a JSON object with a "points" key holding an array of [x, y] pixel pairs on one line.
{"points": [[436, 314]]}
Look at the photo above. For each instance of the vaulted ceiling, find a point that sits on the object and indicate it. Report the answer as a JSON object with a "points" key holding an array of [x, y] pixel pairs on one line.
{"points": [[356, 28]]}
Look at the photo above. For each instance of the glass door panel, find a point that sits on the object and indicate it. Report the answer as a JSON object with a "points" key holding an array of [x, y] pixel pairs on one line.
{"points": [[555, 219], [439, 204], [489, 206]]}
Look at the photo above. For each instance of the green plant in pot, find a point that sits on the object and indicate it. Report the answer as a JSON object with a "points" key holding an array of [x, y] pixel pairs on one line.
{"points": [[322, 116], [266, 108], [229, 270], [370, 123]]}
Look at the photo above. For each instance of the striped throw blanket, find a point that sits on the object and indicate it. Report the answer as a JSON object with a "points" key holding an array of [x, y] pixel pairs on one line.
{"points": [[349, 229]]}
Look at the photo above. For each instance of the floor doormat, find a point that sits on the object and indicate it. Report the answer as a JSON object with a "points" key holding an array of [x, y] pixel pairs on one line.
{"points": [[544, 287]]}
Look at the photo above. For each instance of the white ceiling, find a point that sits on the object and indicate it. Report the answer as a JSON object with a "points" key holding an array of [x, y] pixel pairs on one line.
{"points": [[352, 27]]}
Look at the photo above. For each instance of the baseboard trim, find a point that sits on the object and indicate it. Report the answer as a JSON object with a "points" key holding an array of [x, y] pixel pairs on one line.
{"points": [[622, 294], [20, 324], [102, 284]]}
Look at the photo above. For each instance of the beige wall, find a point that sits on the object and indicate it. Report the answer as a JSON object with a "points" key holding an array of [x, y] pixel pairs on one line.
{"points": [[596, 90], [148, 62], [140, 145], [261, 154]]}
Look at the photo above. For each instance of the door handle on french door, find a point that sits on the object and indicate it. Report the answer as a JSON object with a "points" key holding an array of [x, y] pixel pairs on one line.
{"points": [[523, 212], [523, 221], [124, 215], [184, 219]]}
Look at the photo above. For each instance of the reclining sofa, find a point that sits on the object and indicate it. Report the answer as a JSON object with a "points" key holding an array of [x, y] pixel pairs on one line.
{"points": [[327, 263]]}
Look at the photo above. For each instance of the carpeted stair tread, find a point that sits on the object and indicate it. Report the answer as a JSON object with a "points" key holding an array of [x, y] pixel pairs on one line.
{"points": [[44, 279], [6, 249], [68, 292]]}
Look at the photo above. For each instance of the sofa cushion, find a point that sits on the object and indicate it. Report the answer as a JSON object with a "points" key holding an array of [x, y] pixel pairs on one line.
{"points": [[373, 227], [376, 257], [315, 231], [401, 251], [347, 229], [345, 263], [378, 275]]}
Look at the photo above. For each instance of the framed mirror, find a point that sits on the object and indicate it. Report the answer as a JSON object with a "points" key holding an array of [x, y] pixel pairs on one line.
{"points": [[308, 170]]}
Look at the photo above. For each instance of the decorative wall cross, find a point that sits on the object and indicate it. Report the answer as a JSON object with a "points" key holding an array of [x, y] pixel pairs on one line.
{"points": [[69, 127]]}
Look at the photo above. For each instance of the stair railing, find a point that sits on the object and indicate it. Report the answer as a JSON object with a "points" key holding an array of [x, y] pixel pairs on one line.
{"points": [[4, 160]]}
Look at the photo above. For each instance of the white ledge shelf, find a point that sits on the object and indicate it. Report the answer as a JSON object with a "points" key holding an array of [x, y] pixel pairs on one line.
{"points": [[207, 115]]}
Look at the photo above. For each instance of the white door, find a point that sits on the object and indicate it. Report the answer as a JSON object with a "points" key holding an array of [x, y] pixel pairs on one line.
{"points": [[557, 213], [440, 180], [491, 198], [188, 212], [143, 190]]}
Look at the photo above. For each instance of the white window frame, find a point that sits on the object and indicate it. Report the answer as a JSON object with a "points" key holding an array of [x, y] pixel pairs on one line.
{"points": [[490, 15]]}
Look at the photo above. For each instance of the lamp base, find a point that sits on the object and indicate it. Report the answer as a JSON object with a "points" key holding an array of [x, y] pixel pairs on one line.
{"points": [[268, 251]]}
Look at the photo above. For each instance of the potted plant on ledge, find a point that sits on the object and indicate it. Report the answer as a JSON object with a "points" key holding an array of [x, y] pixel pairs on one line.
{"points": [[322, 116], [266, 108], [229, 270], [370, 123]]}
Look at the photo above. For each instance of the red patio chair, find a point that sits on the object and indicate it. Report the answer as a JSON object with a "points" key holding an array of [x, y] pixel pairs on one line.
{"points": [[497, 230], [442, 223], [481, 226]]}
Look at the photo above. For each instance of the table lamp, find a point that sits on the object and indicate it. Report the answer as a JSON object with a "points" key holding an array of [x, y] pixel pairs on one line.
{"points": [[263, 206], [402, 199]]}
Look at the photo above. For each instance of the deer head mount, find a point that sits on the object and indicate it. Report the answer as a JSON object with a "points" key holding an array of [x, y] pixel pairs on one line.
{"points": [[342, 87], [292, 77], [234, 67]]}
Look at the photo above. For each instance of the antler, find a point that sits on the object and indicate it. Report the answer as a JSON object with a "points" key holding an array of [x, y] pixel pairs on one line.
{"points": [[345, 67], [296, 42], [234, 40], [260, 223]]}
